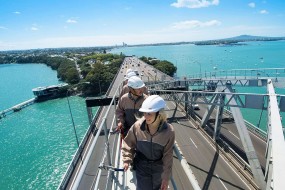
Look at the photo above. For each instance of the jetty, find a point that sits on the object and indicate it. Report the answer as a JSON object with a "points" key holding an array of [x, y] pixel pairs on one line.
{"points": [[17, 107]]}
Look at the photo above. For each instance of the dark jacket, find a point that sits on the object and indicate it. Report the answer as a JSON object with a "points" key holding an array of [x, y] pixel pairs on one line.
{"points": [[128, 109], [154, 153]]}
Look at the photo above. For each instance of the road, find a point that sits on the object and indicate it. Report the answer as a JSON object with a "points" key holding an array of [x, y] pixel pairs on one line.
{"points": [[210, 167], [230, 135]]}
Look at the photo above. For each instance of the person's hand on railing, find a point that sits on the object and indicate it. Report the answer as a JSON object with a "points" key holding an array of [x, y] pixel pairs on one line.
{"points": [[120, 126], [118, 129], [111, 168], [164, 184], [126, 166]]}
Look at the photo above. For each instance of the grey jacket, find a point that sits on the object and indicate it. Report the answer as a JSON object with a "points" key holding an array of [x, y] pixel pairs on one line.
{"points": [[128, 109], [154, 147]]}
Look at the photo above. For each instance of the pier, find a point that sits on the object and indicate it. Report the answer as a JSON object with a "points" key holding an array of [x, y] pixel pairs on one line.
{"points": [[16, 108]]}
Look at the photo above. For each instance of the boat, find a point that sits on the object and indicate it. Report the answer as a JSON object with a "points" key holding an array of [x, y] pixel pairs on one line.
{"points": [[50, 92]]}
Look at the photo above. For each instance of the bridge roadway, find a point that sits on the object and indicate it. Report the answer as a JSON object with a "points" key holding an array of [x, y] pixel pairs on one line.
{"points": [[211, 168], [230, 135]]}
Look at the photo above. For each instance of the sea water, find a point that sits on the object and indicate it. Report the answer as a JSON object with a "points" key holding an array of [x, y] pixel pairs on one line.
{"points": [[38, 142], [191, 59]]}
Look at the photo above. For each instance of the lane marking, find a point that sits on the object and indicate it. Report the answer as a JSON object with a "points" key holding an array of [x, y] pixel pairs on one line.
{"points": [[222, 182], [193, 142], [221, 155], [224, 159], [234, 135], [260, 139]]}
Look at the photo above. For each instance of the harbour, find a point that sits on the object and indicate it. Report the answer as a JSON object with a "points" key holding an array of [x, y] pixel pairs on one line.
{"points": [[57, 125]]}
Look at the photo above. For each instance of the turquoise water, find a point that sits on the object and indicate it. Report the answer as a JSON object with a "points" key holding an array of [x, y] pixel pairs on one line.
{"points": [[18, 80], [38, 142], [189, 59]]}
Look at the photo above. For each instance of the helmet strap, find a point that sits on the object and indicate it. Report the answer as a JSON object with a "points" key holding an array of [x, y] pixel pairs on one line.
{"points": [[156, 115]]}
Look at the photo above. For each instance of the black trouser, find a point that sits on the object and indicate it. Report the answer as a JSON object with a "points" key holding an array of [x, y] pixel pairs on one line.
{"points": [[148, 173]]}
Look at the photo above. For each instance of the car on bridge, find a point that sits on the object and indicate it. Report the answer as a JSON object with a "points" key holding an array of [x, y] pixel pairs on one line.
{"points": [[196, 107]]}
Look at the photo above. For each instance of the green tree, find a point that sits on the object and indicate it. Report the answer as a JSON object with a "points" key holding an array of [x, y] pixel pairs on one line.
{"points": [[166, 67]]}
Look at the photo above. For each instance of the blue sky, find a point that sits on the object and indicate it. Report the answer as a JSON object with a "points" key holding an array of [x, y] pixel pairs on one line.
{"points": [[30, 24]]}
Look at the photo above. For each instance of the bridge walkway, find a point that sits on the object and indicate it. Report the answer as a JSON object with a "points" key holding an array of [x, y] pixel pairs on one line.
{"points": [[211, 168]]}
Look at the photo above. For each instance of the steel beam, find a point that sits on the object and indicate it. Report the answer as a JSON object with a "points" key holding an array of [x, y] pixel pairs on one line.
{"points": [[275, 151], [219, 117], [209, 111], [247, 143]]}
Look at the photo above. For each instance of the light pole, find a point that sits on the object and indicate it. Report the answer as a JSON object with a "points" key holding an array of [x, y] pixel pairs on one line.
{"points": [[176, 70], [200, 73], [200, 70]]}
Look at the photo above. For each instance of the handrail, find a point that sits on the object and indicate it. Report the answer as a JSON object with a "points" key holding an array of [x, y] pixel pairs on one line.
{"points": [[94, 142], [106, 153], [74, 161], [245, 73]]}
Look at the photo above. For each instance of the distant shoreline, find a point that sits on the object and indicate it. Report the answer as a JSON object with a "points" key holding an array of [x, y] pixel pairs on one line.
{"points": [[226, 41]]}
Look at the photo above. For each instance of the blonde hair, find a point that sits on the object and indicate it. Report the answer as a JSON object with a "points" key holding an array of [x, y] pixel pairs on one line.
{"points": [[163, 115]]}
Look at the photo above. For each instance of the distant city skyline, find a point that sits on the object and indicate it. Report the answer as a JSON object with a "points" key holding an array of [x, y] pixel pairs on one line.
{"points": [[33, 24]]}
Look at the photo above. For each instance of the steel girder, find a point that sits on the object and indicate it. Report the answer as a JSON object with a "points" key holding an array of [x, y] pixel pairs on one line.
{"points": [[275, 151], [247, 143]]}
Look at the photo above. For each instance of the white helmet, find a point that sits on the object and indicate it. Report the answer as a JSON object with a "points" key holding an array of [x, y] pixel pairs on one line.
{"points": [[130, 74], [153, 103], [129, 70], [135, 82]]}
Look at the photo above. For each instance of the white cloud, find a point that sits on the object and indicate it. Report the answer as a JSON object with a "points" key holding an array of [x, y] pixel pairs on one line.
{"points": [[71, 21], [194, 3], [264, 12], [17, 12], [190, 24], [252, 5], [34, 28]]}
